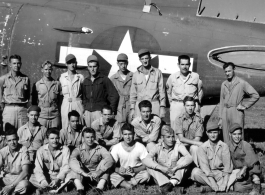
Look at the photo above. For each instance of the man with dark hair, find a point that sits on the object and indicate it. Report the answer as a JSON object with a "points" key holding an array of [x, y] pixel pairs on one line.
{"points": [[45, 94], [129, 154], [107, 128], [72, 87], [247, 170], [234, 101], [122, 81], [98, 91], [51, 164], [32, 135], [14, 94], [72, 135], [90, 162], [181, 84], [167, 161], [189, 127], [147, 126], [14, 163], [147, 84]]}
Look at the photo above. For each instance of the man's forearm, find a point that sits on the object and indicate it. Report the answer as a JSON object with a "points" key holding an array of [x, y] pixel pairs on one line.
{"points": [[21, 176]]}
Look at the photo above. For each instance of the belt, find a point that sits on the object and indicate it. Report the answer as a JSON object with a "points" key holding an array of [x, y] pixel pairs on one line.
{"points": [[229, 105], [71, 99], [139, 100], [48, 105], [174, 100], [16, 104]]}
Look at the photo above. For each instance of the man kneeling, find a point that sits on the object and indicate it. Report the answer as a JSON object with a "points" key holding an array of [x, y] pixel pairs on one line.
{"points": [[167, 161], [129, 154], [246, 164], [14, 163]]}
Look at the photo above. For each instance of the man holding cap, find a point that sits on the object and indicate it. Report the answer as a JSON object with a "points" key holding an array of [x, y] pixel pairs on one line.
{"points": [[214, 161], [32, 134], [247, 170], [147, 84], [122, 81], [71, 83], [45, 93], [167, 161], [98, 91]]}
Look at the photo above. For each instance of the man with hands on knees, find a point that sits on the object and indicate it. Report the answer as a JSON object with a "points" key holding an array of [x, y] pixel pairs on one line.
{"points": [[214, 160], [167, 161], [90, 163]]}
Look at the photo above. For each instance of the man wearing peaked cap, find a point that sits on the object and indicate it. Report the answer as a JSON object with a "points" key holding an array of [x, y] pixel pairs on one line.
{"points": [[122, 80], [98, 91], [147, 84], [71, 83], [168, 173], [247, 170]]}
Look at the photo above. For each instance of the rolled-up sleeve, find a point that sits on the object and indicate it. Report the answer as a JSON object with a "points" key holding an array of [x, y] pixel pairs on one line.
{"points": [[64, 169], [149, 159], [227, 161], [25, 157], [186, 158], [74, 161], [107, 159]]}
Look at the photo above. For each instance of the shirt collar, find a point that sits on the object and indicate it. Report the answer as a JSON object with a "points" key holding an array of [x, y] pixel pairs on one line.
{"points": [[151, 121], [46, 147], [19, 149], [208, 145], [178, 74], [117, 74], [233, 146], [84, 146], [42, 80], [10, 75], [140, 69]]}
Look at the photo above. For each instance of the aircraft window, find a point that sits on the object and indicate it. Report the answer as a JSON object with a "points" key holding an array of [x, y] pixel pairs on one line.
{"points": [[241, 10]]}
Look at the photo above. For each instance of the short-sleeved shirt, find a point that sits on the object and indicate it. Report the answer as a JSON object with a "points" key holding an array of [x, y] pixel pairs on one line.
{"points": [[13, 163], [189, 126], [126, 159]]}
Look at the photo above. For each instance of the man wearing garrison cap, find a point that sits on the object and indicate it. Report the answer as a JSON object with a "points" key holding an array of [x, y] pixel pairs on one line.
{"points": [[247, 170], [98, 91], [214, 161], [147, 84], [71, 83], [32, 135], [167, 161], [122, 81]]}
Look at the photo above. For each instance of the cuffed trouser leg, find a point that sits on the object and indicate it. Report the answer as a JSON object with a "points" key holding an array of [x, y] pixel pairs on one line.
{"points": [[91, 116], [199, 176], [15, 116], [193, 152], [21, 187]]}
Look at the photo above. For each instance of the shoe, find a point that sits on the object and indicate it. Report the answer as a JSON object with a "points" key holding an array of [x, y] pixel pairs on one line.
{"points": [[166, 188], [81, 192], [256, 189]]}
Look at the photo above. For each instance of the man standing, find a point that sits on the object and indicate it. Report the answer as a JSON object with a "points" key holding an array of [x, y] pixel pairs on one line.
{"points": [[167, 161], [72, 135], [32, 135], [15, 163], [71, 83], [129, 154], [45, 94], [247, 170], [147, 84], [14, 94], [90, 162], [122, 81], [181, 84], [51, 164], [98, 91], [189, 127], [214, 161], [107, 128], [233, 101]]}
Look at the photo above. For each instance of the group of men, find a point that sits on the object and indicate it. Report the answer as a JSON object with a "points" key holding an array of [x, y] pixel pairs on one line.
{"points": [[84, 142]]}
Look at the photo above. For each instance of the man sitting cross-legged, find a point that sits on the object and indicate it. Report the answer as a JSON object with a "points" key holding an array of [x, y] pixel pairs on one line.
{"points": [[14, 164], [129, 154], [246, 164], [167, 161], [214, 160], [51, 164], [90, 163]]}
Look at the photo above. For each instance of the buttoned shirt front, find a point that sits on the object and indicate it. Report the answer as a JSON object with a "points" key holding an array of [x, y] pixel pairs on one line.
{"points": [[178, 89], [151, 89], [148, 133], [189, 126], [46, 96], [12, 163], [220, 159], [70, 137], [15, 89], [57, 165]]}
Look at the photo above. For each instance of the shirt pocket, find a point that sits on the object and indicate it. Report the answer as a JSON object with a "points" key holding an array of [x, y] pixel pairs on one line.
{"points": [[65, 89], [192, 86], [153, 80], [22, 89]]}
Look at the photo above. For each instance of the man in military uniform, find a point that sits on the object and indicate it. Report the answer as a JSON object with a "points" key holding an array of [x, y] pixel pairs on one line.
{"points": [[181, 84], [14, 163], [108, 130], [122, 81], [90, 163], [167, 161], [45, 94], [14, 94], [32, 135], [189, 127], [147, 84]]}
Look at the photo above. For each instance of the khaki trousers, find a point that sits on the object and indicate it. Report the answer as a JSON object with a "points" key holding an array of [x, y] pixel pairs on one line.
{"points": [[50, 123], [21, 187], [199, 176], [91, 116], [15, 115]]}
